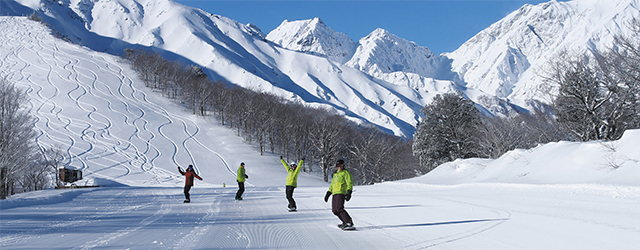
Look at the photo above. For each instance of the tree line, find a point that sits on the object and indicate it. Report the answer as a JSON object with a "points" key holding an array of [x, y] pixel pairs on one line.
{"points": [[591, 98], [279, 126]]}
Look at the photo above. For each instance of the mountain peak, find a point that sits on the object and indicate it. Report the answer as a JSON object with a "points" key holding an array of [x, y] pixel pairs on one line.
{"points": [[382, 52], [314, 37], [380, 33], [317, 21]]}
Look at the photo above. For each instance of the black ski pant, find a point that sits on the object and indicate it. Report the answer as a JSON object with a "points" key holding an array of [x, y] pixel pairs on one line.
{"points": [[292, 202], [187, 188], [240, 190], [337, 207]]}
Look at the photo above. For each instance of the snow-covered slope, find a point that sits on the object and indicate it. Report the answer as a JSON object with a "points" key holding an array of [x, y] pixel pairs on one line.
{"points": [[93, 108], [233, 52], [507, 58]]}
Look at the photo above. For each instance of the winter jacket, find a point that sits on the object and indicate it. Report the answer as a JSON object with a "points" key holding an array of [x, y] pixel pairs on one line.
{"points": [[241, 175], [190, 174], [292, 175], [341, 182]]}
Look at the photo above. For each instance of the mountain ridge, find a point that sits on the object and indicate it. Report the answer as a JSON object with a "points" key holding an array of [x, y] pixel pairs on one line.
{"points": [[382, 79]]}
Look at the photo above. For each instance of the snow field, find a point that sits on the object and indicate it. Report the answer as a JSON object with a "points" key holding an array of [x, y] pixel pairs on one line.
{"points": [[404, 215]]}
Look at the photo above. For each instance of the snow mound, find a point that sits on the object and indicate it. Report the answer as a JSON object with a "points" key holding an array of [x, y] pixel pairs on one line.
{"points": [[600, 162]]}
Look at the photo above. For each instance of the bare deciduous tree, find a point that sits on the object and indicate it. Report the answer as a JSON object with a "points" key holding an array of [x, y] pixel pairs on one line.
{"points": [[17, 143], [328, 140], [592, 101]]}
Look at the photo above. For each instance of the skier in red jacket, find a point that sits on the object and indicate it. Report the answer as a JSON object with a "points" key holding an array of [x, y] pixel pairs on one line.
{"points": [[189, 175]]}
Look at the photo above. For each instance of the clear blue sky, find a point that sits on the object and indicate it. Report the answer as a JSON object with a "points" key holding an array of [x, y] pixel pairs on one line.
{"points": [[440, 25]]}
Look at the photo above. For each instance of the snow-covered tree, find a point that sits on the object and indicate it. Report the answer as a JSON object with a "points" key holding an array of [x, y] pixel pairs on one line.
{"points": [[17, 144], [593, 101], [328, 139], [448, 131]]}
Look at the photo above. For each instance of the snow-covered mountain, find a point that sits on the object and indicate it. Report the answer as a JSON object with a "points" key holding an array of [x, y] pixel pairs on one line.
{"points": [[313, 37], [507, 59], [232, 52], [381, 54], [500, 68], [382, 79]]}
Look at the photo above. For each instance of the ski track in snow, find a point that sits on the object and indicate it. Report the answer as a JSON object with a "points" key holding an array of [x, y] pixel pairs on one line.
{"points": [[121, 128]]}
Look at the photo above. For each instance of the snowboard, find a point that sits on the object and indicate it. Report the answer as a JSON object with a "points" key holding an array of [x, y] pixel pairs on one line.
{"points": [[351, 228]]}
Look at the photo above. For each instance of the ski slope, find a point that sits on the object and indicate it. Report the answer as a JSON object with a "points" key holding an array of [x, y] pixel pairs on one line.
{"points": [[404, 215], [130, 140]]}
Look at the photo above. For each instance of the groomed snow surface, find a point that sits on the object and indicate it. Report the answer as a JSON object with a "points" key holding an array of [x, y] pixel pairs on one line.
{"points": [[130, 140]]}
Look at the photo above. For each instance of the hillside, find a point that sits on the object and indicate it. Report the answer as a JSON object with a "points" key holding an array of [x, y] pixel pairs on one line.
{"points": [[233, 52], [93, 107]]}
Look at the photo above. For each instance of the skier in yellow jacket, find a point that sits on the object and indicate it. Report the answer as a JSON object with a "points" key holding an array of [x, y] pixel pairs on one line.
{"points": [[341, 188], [292, 181]]}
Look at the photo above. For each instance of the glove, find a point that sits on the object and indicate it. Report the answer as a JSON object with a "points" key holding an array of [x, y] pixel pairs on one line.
{"points": [[303, 158], [281, 157], [246, 176], [326, 196], [348, 196]]}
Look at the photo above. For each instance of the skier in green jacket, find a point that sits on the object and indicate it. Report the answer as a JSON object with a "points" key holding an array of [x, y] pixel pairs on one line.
{"points": [[341, 188], [241, 178], [292, 181]]}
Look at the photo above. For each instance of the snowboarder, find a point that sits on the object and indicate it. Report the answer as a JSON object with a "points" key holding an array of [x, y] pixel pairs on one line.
{"points": [[341, 188], [292, 181], [189, 175], [241, 178]]}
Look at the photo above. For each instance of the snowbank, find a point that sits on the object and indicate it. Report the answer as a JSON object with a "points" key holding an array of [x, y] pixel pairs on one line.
{"points": [[598, 162]]}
